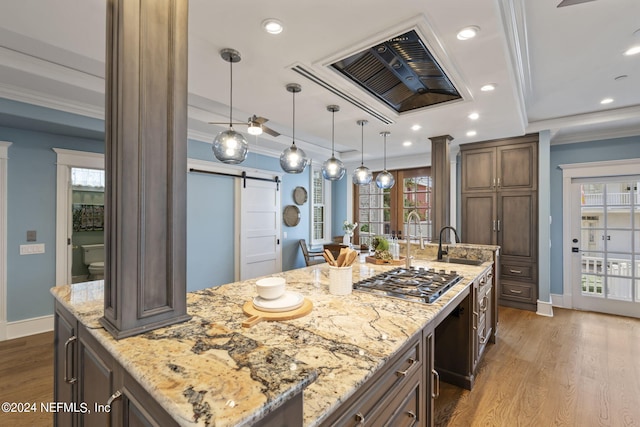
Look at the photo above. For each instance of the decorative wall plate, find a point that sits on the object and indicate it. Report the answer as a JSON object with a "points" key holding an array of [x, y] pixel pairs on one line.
{"points": [[300, 195], [291, 216]]}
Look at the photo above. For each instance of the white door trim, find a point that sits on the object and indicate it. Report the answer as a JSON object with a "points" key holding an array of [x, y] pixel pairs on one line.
{"points": [[4, 159], [583, 170], [66, 159]]}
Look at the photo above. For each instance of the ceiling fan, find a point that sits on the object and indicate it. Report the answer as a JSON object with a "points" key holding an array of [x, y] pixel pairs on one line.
{"points": [[564, 3], [255, 125]]}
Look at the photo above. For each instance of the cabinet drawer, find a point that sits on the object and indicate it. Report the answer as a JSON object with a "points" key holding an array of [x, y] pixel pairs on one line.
{"points": [[523, 292], [517, 271], [405, 409], [381, 390]]}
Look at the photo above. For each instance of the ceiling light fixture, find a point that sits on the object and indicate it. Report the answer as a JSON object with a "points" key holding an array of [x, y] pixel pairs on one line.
{"points": [[632, 51], [472, 133], [230, 146], [474, 116], [407, 143], [362, 175], [488, 87], [272, 26], [254, 128], [606, 101], [333, 169], [293, 159], [416, 127], [468, 33], [385, 179]]}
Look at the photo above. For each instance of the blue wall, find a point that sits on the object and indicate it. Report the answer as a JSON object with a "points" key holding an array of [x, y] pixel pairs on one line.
{"points": [[339, 205], [210, 217], [592, 151], [31, 205]]}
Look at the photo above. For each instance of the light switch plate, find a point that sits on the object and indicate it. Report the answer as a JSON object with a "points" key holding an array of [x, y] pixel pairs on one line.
{"points": [[31, 236], [37, 248]]}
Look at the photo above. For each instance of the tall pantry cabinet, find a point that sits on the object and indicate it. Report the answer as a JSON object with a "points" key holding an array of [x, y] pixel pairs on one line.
{"points": [[499, 206]]}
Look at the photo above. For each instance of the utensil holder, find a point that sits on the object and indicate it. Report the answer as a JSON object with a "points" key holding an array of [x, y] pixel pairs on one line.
{"points": [[340, 280]]}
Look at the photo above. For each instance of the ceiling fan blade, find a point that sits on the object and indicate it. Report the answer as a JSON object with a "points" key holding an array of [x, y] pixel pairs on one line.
{"points": [[564, 3], [270, 131], [259, 120]]}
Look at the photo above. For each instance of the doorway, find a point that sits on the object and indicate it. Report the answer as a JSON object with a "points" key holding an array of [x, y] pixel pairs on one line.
{"points": [[67, 161], [604, 234]]}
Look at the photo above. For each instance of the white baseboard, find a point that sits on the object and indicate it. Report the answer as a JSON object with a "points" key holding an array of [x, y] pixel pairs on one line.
{"points": [[560, 300], [3, 330], [23, 328], [544, 309]]}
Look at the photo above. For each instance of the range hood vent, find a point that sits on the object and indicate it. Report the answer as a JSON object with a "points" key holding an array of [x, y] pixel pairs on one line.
{"points": [[401, 72], [364, 107]]}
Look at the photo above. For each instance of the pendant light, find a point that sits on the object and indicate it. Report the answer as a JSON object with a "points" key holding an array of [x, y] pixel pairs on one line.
{"points": [[362, 175], [333, 169], [385, 179], [230, 146], [293, 159]]}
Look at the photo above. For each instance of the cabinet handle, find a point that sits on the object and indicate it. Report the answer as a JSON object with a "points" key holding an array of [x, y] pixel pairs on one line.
{"points": [[404, 373], [437, 383], [512, 271], [498, 182], [483, 339], [484, 302], [360, 418], [493, 182], [412, 414], [115, 396], [514, 291], [498, 225], [67, 346]]}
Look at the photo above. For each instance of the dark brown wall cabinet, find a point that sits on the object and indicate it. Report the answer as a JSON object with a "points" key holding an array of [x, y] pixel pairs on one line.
{"points": [[500, 207]]}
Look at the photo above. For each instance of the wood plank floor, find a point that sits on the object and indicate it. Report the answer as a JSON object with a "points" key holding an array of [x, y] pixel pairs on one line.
{"points": [[26, 375], [573, 369]]}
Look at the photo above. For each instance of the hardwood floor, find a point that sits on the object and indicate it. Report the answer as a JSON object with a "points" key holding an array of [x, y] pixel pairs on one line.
{"points": [[573, 369], [26, 376]]}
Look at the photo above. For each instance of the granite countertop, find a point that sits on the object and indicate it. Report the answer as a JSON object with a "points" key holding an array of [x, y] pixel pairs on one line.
{"points": [[212, 371]]}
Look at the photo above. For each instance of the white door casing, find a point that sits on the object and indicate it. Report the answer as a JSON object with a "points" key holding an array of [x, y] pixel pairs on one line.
{"points": [[258, 211], [66, 159], [4, 156]]}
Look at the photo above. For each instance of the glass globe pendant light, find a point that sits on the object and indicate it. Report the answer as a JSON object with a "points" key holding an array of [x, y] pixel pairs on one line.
{"points": [[333, 169], [230, 146], [385, 179], [362, 175], [293, 159]]}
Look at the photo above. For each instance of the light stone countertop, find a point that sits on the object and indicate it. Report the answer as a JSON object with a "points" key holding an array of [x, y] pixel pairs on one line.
{"points": [[212, 371]]}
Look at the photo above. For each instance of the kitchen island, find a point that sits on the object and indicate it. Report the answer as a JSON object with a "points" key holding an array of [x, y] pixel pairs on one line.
{"points": [[212, 371]]}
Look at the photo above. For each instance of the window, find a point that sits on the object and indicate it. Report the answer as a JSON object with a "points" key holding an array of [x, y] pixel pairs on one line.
{"points": [[384, 212], [320, 197]]}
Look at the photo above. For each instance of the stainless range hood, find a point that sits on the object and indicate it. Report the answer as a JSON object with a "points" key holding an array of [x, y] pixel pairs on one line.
{"points": [[401, 72]]}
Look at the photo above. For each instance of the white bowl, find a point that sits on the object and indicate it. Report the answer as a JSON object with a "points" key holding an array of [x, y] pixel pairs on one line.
{"points": [[271, 287]]}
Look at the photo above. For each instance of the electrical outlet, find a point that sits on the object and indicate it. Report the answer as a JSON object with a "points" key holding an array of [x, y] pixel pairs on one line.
{"points": [[37, 248]]}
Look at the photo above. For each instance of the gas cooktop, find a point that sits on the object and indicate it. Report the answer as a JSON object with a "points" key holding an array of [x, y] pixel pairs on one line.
{"points": [[413, 284]]}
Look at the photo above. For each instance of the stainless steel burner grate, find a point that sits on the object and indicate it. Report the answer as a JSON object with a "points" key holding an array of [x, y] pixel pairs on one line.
{"points": [[414, 284]]}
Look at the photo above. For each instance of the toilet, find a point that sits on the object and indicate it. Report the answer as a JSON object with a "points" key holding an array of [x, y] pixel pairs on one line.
{"points": [[93, 257]]}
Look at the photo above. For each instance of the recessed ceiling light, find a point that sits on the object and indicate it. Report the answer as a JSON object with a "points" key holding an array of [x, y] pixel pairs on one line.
{"points": [[472, 133], [488, 87], [632, 51], [474, 116], [272, 26], [606, 101], [468, 33], [416, 127], [407, 143]]}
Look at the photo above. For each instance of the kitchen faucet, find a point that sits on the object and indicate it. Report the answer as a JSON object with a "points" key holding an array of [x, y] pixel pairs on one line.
{"points": [[412, 214], [445, 252]]}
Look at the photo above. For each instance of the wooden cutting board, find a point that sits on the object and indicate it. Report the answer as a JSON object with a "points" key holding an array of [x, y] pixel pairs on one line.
{"points": [[257, 316], [374, 260]]}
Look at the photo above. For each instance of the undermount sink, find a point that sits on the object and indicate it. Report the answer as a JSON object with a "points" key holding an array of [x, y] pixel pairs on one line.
{"points": [[461, 261]]}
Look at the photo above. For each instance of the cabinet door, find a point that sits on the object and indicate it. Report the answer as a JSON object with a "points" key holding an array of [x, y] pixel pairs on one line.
{"points": [[479, 218], [517, 166], [431, 381], [517, 226], [96, 380], [65, 357], [479, 170]]}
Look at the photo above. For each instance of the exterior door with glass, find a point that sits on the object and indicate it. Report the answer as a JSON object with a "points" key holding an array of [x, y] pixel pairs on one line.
{"points": [[605, 230]]}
